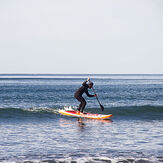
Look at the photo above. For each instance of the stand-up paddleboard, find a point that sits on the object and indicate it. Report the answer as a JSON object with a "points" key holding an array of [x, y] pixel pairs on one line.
{"points": [[74, 113]]}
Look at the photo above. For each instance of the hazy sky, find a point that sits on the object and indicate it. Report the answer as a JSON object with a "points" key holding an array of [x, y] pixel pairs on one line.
{"points": [[81, 36]]}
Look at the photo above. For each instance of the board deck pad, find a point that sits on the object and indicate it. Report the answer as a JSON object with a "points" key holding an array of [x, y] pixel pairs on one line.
{"points": [[74, 113]]}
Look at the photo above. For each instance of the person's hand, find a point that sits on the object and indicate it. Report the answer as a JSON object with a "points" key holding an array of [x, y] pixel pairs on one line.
{"points": [[88, 79]]}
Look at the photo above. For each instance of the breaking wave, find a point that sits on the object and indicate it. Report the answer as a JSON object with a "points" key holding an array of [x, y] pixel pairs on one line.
{"points": [[133, 112]]}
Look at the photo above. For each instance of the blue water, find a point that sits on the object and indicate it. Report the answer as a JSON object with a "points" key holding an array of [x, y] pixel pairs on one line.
{"points": [[31, 129]]}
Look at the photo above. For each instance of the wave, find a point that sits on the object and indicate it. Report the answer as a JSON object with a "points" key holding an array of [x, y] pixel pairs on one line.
{"points": [[27, 113], [104, 159], [94, 159], [128, 112], [138, 112]]}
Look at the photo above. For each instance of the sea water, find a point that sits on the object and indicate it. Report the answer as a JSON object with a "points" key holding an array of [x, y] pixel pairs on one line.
{"points": [[32, 130]]}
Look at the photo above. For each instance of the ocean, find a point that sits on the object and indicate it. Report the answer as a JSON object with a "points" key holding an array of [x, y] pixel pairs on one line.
{"points": [[32, 130]]}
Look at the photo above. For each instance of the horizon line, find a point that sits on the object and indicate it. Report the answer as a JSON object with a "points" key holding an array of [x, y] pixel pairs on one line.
{"points": [[4, 74]]}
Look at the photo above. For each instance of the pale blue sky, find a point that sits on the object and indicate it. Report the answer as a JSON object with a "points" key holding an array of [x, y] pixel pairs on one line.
{"points": [[81, 36]]}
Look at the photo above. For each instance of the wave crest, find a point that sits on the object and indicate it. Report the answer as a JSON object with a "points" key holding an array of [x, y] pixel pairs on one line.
{"points": [[133, 112]]}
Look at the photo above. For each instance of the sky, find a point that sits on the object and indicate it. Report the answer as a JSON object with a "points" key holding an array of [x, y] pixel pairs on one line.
{"points": [[81, 36]]}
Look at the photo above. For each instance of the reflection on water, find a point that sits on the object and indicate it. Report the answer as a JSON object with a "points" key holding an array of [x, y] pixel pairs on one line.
{"points": [[81, 122]]}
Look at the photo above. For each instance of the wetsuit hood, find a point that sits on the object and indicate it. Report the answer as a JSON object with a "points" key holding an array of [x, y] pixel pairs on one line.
{"points": [[90, 83]]}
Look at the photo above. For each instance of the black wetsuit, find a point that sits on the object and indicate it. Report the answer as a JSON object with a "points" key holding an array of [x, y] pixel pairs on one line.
{"points": [[78, 95]]}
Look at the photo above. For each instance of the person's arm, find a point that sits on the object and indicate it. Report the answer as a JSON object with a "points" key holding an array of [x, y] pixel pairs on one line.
{"points": [[89, 94], [85, 82]]}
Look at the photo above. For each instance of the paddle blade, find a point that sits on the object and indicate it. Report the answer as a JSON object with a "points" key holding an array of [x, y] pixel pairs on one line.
{"points": [[102, 108]]}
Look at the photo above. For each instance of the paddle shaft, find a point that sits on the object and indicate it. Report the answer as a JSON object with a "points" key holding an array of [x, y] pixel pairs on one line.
{"points": [[96, 95], [102, 108]]}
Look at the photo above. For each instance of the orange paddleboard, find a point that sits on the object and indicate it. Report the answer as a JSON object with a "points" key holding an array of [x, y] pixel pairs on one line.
{"points": [[74, 113]]}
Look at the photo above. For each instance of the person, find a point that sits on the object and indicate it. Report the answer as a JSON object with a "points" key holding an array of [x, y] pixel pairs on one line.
{"points": [[83, 89]]}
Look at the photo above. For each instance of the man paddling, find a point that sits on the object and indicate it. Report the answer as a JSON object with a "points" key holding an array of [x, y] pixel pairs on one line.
{"points": [[83, 89]]}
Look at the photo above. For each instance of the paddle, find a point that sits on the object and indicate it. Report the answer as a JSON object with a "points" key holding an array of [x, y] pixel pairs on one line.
{"points": [[102, 108]]}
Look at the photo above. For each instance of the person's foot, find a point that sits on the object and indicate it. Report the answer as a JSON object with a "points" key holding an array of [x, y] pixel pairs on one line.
{"points": [[83, 113], [78, 112]]}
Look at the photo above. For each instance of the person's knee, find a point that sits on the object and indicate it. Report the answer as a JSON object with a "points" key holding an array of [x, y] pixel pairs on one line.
{"points": [[84, 103]]}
